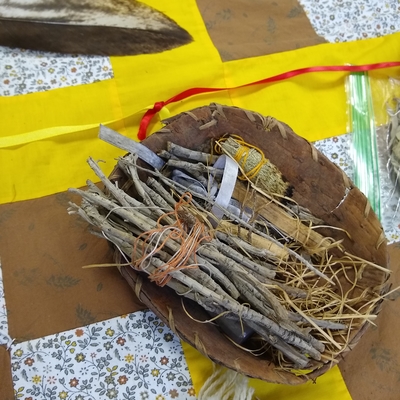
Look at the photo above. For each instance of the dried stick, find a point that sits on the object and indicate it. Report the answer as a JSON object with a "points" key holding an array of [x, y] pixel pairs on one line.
{"points": [[319, 322], [130, 167], [219, 277], [124, 199], [255, 238], [157, 199], [155, 185], [195, 169], [273, 213], [91, 214], [247, 247], [299, 360], [242, 260], [193, 155], [246, 225], [210, 251], [132, 215], [258, 295], [249, 314], [292, 291], [206, 280], [166, 155]]}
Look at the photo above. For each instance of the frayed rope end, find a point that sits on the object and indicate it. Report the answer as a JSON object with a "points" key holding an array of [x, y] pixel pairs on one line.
{"points": [[226, 384]]}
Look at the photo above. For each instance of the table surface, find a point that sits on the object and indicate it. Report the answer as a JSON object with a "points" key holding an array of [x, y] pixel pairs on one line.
{"points": [[136, 354]]}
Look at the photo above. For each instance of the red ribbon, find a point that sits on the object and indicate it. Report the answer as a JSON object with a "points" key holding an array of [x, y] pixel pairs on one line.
{"points": [[144, 123]]}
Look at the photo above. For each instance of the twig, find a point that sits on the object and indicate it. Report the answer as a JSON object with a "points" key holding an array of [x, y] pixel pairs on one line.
{"points": [[193, 155]]}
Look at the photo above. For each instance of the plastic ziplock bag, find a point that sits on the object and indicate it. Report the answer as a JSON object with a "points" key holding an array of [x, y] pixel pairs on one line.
{"points": [[374, 144]]}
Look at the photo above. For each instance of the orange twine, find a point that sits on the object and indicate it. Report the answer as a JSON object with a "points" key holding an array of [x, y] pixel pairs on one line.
{"points": [[189, 235]]}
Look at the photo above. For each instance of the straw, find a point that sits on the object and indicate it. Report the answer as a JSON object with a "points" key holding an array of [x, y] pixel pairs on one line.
{"points": [[363, 146]]}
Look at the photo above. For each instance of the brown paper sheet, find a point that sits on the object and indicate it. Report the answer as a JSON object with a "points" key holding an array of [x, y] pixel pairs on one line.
{"points": [[372, 369], [241, 29], [43, 250]]}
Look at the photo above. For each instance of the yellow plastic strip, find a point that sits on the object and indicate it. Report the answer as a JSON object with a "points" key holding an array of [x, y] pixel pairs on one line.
{"points": [[49, 133]]}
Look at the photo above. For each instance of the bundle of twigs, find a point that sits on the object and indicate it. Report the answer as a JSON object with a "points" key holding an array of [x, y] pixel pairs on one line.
{"points": [[256, 259]]}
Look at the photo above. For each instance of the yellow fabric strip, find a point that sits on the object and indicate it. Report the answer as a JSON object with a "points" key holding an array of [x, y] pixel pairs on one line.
{"points": [[47, 133], [45, 138], [329, 386], [71, 106], [313, 105], [166, 74], [54, 132]]}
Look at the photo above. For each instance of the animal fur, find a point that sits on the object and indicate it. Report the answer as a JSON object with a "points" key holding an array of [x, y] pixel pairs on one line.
{"points": [[88, 26]]}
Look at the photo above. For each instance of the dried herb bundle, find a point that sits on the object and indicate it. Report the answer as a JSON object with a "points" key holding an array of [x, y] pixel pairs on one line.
{"points": [[257, 259]]}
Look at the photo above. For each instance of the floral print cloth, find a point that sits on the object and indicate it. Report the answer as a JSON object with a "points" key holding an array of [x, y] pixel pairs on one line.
{"points": [[25, 71], [344, 21], [133, 357]]}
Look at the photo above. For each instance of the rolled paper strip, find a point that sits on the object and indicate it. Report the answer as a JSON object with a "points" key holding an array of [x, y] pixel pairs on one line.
{"points": [[227, 186], [125, 143], [189, 182]]}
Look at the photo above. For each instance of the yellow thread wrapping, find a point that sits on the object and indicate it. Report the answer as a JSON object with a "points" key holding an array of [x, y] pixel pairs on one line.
{"points": [[255, 165]]}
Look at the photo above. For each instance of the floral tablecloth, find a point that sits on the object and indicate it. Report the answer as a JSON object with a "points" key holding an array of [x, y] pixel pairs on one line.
{"points": [[136, 356]]}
